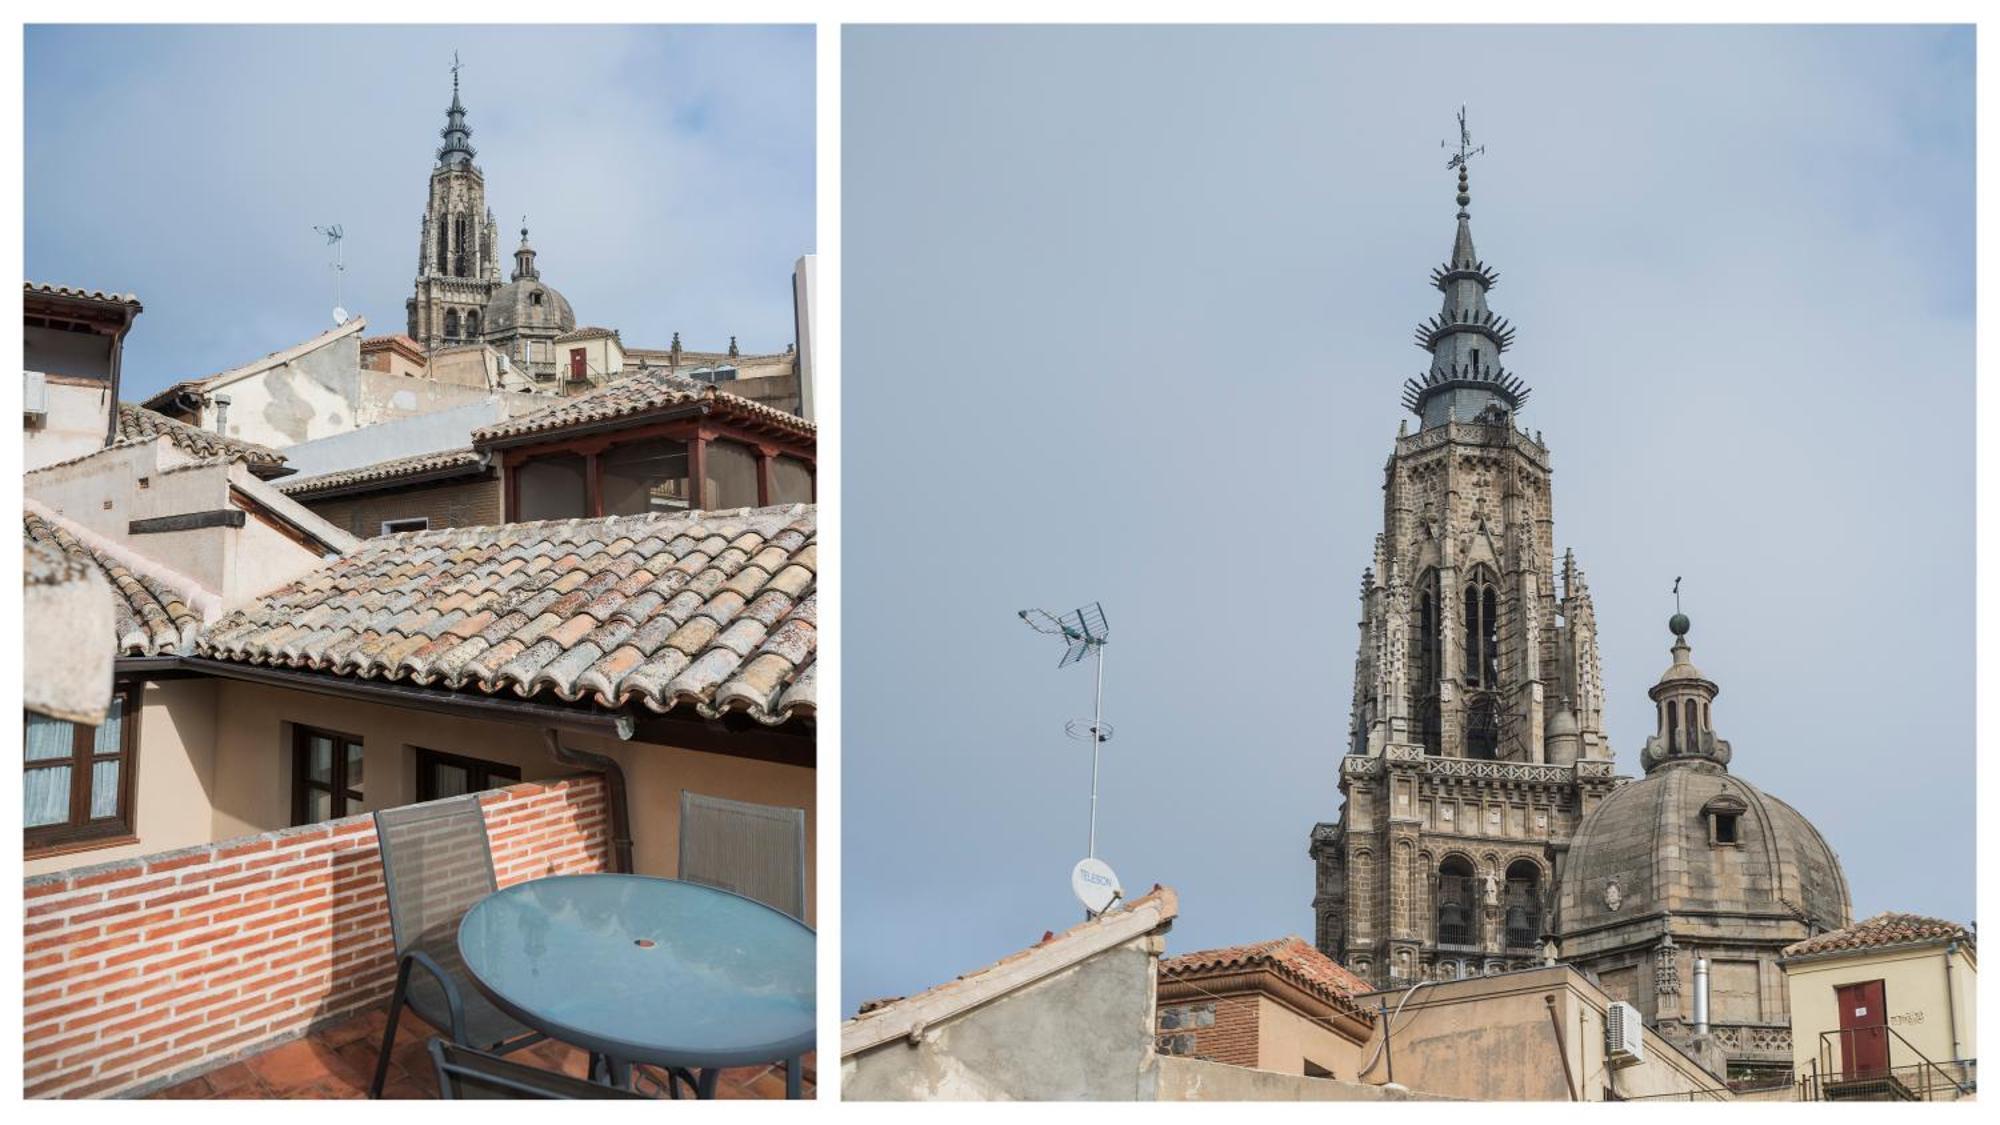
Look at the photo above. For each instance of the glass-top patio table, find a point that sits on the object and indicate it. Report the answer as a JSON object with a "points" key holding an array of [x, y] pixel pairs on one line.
{"points": [[646, 970]]}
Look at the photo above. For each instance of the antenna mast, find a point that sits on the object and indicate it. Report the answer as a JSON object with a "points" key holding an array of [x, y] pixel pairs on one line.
{"points": [[1086, 633], [333, 235]]}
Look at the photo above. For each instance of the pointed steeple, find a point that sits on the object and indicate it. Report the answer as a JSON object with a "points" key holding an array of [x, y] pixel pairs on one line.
{"points": [[1465, 381], [457, 150]]}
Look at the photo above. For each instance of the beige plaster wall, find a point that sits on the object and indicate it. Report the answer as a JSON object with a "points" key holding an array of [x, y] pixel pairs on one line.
{"points": [[176, 773], [603, 357], [254, 767], [1286, 1039], [1913, 992], [1490, 1038], [78, 418]]}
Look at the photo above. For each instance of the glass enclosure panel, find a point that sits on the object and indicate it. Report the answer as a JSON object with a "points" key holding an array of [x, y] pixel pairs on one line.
{"points": [[319, 759], [645, 476], [319, 805], [104, 788], [48, 739], [354, 765], [791, 481], [732, 476], [46, 795], [551, 488], [452, 781], [110, 737]]}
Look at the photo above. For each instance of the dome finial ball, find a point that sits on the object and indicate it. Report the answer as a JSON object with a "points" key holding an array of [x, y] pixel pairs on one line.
{"points": [[1678, 624]]}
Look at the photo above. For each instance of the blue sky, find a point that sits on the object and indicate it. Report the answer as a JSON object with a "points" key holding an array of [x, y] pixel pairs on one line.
{"points": [[666, 174], [1127, 315]]}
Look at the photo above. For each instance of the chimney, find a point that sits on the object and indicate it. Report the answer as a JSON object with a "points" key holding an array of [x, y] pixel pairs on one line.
{"points": [[221, 414]]}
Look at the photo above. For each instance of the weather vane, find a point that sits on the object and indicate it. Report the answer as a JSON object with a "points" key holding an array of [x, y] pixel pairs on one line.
{"points": [[1465, 149], [1677, 593], [454, 78]]}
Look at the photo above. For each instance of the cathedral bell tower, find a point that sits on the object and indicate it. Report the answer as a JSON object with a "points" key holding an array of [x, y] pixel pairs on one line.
{"points": [[458, 254], [1476, 739]]}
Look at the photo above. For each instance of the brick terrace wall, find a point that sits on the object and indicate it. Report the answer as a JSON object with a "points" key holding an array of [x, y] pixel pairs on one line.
{"points": [[452, 504], [154, 969]]}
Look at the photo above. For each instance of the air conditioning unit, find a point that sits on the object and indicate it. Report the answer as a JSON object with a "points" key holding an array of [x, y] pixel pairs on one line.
{"points": [[1624, 1035], [34, 394]]}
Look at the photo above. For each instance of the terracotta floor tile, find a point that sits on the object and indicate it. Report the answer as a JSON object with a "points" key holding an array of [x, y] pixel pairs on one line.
{"points": [[226, 1080], [192, 1088], [294, 1064]]}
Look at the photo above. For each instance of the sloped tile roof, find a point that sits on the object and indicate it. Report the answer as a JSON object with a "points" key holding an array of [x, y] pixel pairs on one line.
{"points": [[136, 423], [385, 473], [47, 290], [1291, 957], [152, 617], [709, 611], [651, 389], [1887, 928], [875, 1019]]}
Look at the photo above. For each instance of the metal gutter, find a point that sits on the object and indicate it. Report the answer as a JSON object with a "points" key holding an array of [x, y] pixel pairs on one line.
{"points": [[465, 705]]}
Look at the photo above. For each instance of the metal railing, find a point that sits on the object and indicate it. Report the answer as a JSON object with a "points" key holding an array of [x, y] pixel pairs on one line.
{"points": [[1903, 1073]]}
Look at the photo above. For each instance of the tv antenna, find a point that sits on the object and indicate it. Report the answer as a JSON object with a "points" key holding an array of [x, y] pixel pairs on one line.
{"points": [[333, 235], [1085, 632]]}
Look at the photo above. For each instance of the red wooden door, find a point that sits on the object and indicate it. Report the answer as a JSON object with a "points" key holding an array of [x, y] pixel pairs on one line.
{"points": [[1864, 1040], [576, 365]]}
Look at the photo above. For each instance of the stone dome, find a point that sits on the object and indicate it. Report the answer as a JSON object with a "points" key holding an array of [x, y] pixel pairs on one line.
{"points": [[528, 303], [1648, 848]]}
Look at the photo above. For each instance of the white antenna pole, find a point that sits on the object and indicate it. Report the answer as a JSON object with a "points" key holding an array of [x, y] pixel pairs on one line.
{"points": [[1096, 745]]}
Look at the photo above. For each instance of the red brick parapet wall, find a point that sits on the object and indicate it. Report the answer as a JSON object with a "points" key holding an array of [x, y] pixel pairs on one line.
{"points": [[150, 970]]}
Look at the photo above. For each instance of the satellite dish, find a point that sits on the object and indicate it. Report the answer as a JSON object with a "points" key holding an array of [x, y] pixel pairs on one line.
{"points": [[1095, 885], [339, 316]]}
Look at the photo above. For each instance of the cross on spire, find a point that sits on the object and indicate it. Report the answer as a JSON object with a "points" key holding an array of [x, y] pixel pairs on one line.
{"points": [[1460, 159], [455, 65]]}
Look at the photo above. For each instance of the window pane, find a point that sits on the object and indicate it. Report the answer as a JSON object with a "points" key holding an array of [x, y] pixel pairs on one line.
{"points": [[452, 781], [645, 476], [46, 793], [48, 738], [791, 481], [732, 476], [109, 738], [354, 765], [319, 805], [551, 488], [104, 788], [319, 759]]}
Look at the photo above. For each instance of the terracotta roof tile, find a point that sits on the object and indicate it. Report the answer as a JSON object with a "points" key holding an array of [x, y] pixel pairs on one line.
{"points": [[136, 423], [152, 617], [450, 462], [647, 391], [1291, 957], [619, 610], [1883, 929], [46, 290]]}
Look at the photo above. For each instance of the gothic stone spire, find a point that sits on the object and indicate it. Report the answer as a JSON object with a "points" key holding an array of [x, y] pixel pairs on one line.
{"points": [[1465, 380], [457, 150]]}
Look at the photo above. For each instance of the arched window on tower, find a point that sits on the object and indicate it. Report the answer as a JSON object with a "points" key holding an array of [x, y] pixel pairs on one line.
{"points": [[472, 325], [1524, 904], [1688, 720], [1457, 903], [443, 248], [1482, 632], [1673, 727], [451, 324], [459, 238], [1428, 661], [1482, 728]]}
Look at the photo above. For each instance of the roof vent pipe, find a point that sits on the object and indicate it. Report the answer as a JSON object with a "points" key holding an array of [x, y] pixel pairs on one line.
{"points": [[221, 414], [1701, 996]]}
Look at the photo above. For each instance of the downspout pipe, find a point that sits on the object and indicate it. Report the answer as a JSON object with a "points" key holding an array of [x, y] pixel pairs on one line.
{"points": [[1562, 1049], [1701, 996], [614, 783], [1951, 1000]]}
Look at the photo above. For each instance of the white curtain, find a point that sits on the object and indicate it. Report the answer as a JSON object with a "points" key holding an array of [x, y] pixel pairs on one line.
{"points": [[45, 791]]}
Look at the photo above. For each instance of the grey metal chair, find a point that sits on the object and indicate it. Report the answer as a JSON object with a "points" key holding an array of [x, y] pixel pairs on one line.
{"points": [[467, 1073], [436, 864], [757, 851]]}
